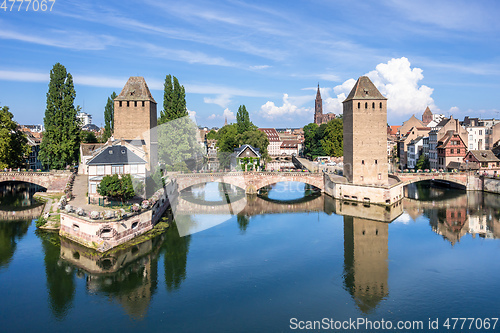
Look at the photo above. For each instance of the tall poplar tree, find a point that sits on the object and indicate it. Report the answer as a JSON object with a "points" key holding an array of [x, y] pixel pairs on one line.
{"points": [[61, 139], [109, 115], [174, 100], [243, 120]]}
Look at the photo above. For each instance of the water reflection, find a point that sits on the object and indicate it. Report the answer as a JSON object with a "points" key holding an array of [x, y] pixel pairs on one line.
{"points": [[10, 234], [453, 213], [17, 202], [131, 277], [366, 255]]}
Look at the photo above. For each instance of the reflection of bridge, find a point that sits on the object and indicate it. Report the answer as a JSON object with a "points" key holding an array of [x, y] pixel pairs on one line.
{"points": [[53, 181], [250, 206], [251, 182], [21, 215]]}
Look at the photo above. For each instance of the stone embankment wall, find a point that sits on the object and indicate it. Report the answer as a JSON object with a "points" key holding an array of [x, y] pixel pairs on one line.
{"points": [[491, 185], [338, 188], [105, 234]]}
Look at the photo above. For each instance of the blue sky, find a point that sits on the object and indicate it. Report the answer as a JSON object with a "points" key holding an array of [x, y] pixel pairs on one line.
{"points": [[268, 55]]}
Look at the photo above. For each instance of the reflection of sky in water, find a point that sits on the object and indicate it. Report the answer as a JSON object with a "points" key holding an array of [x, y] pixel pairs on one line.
{"points": [[287, 191], [208, 191]]}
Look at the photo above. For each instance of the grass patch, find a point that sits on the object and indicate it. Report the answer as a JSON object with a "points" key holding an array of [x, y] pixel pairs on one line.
{"points": [[40, 222]]}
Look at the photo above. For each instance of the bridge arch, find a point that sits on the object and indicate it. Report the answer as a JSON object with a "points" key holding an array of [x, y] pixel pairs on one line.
{"points": [[54, 181], [251, 182]]}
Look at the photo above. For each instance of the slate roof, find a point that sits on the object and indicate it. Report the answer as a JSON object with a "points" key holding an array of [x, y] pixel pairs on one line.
{"points": [[364, 89], [484, 155], [241, 149], [443, 122], [91, 128], [117, 154], [291, 144], [135, 89]]}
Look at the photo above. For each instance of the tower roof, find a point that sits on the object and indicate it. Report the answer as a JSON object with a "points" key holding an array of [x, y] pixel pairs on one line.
{"points": [[364, 89], [318, 94], [135, 89], [427, 111]]}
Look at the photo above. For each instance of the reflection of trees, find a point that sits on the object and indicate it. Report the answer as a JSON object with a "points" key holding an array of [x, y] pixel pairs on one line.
{"points": [[175, 257], [15, 195], [243, 222], [10, 234], [60, 278]]}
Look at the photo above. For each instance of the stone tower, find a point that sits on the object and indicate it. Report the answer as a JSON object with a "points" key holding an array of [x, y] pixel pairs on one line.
{"points": [[366, 254], [365, 135], [318, 108], [135, 117]]}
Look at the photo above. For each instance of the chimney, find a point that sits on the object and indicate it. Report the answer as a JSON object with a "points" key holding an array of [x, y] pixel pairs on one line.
{"points": [[457, 126]]}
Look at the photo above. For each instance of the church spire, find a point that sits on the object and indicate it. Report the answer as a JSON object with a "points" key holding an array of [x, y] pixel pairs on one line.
{"points": [[318, 94], [225, 122]]}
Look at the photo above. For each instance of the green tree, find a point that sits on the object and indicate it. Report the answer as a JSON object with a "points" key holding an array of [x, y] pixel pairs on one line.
{"points": [[423, 162], [61, 139], [88, 137], [212, 135], [116, 187], [226, 142], [13, 143], [333, 138], [243, 120], [109, 118], [257, 139], [174, 101], [312, 140]]}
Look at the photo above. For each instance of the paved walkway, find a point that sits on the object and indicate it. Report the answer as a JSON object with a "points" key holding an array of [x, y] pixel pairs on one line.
{"points": [[80, 199]]}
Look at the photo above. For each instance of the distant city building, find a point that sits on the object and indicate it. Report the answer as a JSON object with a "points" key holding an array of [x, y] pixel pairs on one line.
{"points": [[483, 161], [33, 128], [274, 148], [319, 117], [415, 149], [365, 135], [85, 118], [427, 116], [438, 132], [450, 148], [91, 128]]}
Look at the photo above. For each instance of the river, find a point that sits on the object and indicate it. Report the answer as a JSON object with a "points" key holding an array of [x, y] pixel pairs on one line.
{"points": [[264, 265]]}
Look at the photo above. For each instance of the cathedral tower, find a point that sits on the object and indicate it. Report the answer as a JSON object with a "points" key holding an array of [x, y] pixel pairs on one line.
{"points": [[318, 108], [365, 135], [135, 117]]}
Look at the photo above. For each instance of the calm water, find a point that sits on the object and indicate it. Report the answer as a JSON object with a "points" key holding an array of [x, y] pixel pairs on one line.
{"points": [[254, 271]]}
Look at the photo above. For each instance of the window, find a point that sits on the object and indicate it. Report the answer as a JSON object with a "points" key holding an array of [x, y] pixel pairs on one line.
{"points": [[484, 164], [366, 105], [359, 105], [381, 105], [100, 169], [142, 103], [117, 169], [480, 132], [120, 103], [93, 188], [363, 162], [373, 105], [451, 150], [133, 168], [458, 151], [128, 103], [135, 103], [376, 161]]}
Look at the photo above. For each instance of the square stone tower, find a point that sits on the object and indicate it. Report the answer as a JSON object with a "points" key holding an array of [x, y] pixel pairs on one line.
{"points": [[135, 117], [365, 135]]}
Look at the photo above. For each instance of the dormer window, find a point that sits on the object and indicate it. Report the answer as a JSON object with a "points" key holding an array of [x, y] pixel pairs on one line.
{"points": [[124, 151], [110, 152]]}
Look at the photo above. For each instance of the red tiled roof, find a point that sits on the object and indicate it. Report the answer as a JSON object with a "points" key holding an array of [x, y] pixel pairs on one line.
{"points": [[272, 134]]}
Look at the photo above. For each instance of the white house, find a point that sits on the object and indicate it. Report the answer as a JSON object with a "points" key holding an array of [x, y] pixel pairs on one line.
{"points": [[415, 149], [118, 158]]}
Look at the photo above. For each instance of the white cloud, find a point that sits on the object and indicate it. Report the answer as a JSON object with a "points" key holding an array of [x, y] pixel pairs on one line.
{"points": [[222, 100], [228, 114], [192, 115], [259, 67], [24, 76], [288, 110], [404, 218], [397, 81]]}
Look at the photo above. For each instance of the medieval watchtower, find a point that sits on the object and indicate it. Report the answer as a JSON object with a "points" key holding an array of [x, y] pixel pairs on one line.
{"points": [[135, 117], [365, 135]]}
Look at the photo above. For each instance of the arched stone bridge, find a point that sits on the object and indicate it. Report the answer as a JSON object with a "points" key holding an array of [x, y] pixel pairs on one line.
{"points": [[460, 178], [251, 182], [53, 181]]}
